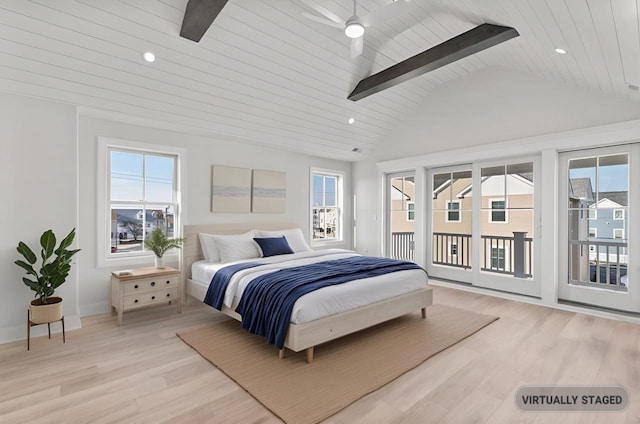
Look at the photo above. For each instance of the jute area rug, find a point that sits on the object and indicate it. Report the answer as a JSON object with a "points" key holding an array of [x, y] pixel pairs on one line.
{"points": [[343, 370]]}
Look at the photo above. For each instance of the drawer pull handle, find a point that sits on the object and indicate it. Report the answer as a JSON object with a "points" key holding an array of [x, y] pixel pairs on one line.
{"points": [[168, 294], [135, 287], [135, 301], [153, 283], [153, 297]]}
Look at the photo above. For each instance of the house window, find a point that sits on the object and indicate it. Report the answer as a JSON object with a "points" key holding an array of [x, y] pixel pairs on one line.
{"points": [[326, 202], [497, 258], [618, 233], [618, 214], [498, 211], [593, 232], [593, 213], [138, 192], [411, 211], [453, 249], [453, 211]]}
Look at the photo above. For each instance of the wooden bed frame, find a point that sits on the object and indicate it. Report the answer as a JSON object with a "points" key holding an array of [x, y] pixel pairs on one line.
{"points": [[307, 335]]}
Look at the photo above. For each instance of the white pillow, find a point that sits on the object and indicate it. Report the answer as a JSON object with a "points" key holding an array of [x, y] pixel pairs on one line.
{"points": [[209, 248], [237, 247], [294, 237]]}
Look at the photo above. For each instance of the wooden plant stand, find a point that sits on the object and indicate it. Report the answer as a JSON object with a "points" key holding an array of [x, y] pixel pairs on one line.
{"points": [[31, 324]]}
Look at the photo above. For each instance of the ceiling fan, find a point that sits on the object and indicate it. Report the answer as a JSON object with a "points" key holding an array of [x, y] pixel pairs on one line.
{"points": [[354, 27]]}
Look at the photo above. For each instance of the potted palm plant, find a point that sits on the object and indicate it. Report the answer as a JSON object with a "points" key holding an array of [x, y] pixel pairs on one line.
{"points": [[159, 243], [54, 270]]}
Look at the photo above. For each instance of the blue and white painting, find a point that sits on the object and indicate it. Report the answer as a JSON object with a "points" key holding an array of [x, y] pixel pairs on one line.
{"points": [[269, 192], [230, 189]]}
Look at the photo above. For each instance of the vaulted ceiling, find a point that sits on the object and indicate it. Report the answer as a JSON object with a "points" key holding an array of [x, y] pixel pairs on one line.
{"points": [[264, 74]]}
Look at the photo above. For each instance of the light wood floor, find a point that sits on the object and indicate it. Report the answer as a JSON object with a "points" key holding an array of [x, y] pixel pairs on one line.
{"points": [[142, 373]]}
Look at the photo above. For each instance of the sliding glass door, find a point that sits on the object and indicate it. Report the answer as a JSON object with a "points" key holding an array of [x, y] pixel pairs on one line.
{"points": [[599, 251], [482, 225], [401, 213]]}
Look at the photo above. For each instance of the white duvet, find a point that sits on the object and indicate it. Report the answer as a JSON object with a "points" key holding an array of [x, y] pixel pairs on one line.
{"points": [[323, 302]]}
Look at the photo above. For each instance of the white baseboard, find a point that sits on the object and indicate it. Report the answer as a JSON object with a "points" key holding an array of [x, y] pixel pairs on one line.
{"points": [[19, 332]]}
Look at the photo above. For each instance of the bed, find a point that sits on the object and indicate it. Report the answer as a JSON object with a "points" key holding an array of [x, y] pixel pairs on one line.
{"points": [[407, 290]]}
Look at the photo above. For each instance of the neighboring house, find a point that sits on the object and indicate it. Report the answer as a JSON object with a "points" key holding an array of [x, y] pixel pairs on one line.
{"points": [[501, 216]]}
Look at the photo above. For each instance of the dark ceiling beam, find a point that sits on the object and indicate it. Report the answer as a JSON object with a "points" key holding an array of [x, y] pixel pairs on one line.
{"points": [[471, 42], [199, 16]]}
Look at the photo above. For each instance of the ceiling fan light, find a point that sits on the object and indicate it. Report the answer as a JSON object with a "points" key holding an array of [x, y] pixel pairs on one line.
{"points": [[353, 30]]}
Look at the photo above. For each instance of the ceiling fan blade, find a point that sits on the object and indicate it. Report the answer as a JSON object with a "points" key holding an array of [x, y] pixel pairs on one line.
{"points": [[326, 12], [357, 46], [391, 11], [322, 20]]}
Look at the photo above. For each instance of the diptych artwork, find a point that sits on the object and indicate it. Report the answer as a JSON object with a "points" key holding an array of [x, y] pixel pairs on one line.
{"points": [[241, 190]]}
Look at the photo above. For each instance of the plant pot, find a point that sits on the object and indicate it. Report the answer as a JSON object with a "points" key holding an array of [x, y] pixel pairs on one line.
{"points": [[159, 262], [43, 313]]}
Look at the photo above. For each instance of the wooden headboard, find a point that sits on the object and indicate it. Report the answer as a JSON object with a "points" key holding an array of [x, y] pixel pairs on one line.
{"points": [[191, 251]]}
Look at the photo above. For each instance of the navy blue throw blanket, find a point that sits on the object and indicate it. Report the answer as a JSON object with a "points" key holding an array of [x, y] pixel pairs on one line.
{"points": [[267, 301], [220, 281]]}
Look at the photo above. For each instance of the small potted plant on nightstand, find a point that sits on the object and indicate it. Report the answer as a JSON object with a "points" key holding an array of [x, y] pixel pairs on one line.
{"points": [[54, 270], [159, 243]]}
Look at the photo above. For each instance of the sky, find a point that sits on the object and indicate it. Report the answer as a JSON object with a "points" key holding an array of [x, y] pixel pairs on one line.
{"points": [[127, 177]]}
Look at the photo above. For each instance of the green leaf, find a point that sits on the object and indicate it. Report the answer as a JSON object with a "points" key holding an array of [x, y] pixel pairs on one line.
{"points": [[28, 254], [48, 243], [66, 242], [26, 267]]}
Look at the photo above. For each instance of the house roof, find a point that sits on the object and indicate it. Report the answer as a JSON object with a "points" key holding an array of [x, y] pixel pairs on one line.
{"points": [[619, 197], [264, 74], [580, 188]]}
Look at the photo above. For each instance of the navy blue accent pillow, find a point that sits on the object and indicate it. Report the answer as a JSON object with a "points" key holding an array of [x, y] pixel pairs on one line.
{"points": [[272, 246]]}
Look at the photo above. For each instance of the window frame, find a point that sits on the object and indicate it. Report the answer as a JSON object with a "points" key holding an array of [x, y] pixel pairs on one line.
{"points": [[340, 176], [459, 210], [103, 228], [595, 214], [505, 210], [410, 211], [595, 232], [621, 233], [622, 214]]}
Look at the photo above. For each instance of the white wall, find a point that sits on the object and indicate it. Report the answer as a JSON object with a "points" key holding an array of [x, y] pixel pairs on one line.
{"points": [[490, 106], [201, 153], [38, 185]]}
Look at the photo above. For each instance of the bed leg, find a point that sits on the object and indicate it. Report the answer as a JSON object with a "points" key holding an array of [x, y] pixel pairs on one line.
{"points": [[281, 353], [424, 313], [309, 355]]}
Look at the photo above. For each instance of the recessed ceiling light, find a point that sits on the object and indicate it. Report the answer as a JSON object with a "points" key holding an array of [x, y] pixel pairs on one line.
{"points": [[149, 57], [561, 51], [352, 120]]}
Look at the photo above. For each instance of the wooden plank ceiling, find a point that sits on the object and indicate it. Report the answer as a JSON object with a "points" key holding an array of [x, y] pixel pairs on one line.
{"points": [[264, 74]]}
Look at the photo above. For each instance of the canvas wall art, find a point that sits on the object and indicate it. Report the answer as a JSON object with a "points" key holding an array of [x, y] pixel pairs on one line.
{"points": [[269, 192], [230, 189]]}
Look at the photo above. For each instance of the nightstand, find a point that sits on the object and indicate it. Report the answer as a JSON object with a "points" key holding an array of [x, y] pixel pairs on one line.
{"points": [[145, 287]]}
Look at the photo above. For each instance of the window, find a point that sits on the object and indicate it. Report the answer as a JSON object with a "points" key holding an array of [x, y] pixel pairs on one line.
{"points": [[453, 249], [138, 193], [326, 202], [411, 211], [593, 213], [593, 232], [497, 258], [498, 210], [618, 233], [618, 214], [453, 211]]}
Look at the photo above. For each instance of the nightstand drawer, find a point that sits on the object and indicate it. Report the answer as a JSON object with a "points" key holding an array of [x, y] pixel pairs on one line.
{"points": [[150, 284], [148, 298]]}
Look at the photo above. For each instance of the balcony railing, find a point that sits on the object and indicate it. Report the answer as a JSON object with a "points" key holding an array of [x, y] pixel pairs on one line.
{"points": [[598, 264], [503, 255], [402, 246]]}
